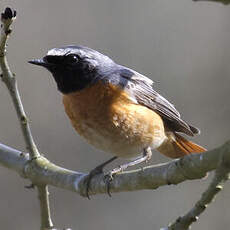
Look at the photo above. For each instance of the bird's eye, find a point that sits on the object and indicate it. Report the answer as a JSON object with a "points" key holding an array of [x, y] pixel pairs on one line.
{"points": [[72, 58]]}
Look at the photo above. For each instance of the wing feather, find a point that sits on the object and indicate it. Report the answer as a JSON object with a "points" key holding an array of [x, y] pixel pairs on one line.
{"points": [[140, 88]]}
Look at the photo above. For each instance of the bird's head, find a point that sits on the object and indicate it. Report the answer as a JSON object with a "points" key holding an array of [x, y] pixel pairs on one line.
{"points": [[75, 67]]}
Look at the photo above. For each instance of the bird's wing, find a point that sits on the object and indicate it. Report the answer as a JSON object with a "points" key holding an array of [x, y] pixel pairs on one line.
{"points": [[140, 89]]}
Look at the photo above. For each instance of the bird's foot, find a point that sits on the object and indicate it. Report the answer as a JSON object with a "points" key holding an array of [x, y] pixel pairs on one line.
{"points": [[94, 172], [108, 178]]}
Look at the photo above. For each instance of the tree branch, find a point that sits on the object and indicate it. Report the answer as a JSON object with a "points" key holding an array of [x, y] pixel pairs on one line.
{"points": [[7, 18], [225, 2], [221, 175], [43, 195], [190, 167]]}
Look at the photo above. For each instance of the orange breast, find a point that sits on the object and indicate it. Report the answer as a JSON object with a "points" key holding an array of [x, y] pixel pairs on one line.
{"points": [[108, 119]]}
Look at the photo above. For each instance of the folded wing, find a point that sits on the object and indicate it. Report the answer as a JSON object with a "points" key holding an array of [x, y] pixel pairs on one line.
{"points": [[140, 88]]}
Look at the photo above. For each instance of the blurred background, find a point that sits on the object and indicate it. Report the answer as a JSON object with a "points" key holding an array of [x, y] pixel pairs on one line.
{"points": [[182, 45]]}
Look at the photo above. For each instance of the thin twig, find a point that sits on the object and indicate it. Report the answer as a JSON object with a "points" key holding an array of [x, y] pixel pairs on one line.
{"points": [[225, 2], [8, 78], [43, 195], [221, 175], [7, 18]]}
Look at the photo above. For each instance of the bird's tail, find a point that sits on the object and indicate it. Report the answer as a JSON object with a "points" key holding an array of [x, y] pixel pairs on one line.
{"points": [[176, 146]]}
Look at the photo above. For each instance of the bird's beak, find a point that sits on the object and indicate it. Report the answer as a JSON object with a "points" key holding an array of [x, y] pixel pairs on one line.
{"points": [[40, 62]]}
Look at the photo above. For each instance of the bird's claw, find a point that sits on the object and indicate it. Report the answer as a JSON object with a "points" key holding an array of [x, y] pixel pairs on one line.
{"points": [[108, 179], [94, 172], [87, 184]]}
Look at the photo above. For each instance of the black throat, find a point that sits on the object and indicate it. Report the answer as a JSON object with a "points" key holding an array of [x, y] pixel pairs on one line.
{"points": [[71, 82]]}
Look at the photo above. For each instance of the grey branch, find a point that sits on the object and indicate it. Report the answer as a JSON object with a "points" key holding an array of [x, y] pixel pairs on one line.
{"points": [[221, 175], [43, 195], [225, 2], [42, 171], [7, 18]]}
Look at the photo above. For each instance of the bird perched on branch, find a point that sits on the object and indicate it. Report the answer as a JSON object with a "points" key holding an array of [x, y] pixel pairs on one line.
{"points": [[115, 108]]}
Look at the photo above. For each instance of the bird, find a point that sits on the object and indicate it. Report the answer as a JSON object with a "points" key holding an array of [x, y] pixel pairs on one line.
{"points": [[116, 109]]}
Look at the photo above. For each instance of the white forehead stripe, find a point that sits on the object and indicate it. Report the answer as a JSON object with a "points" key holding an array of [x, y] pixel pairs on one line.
{"points": [[64, 51], [59, 51]]}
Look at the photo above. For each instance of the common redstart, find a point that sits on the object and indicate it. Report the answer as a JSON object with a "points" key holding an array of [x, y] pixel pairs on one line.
{"points": [[115, 108]]}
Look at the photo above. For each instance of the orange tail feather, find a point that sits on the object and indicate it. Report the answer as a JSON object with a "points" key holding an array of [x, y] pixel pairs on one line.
{"points": [[177, 146]]}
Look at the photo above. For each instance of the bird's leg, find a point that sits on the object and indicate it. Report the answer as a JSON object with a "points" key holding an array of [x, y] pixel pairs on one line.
{"points": [[147, 154], [96, 171]]}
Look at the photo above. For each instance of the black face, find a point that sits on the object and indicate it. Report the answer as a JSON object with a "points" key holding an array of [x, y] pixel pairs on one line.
{"points": [[70, 72], [74, 68]]}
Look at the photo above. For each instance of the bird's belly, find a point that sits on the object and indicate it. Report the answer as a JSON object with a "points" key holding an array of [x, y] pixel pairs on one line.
{"points": [[121, 128], [110, 141]]}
